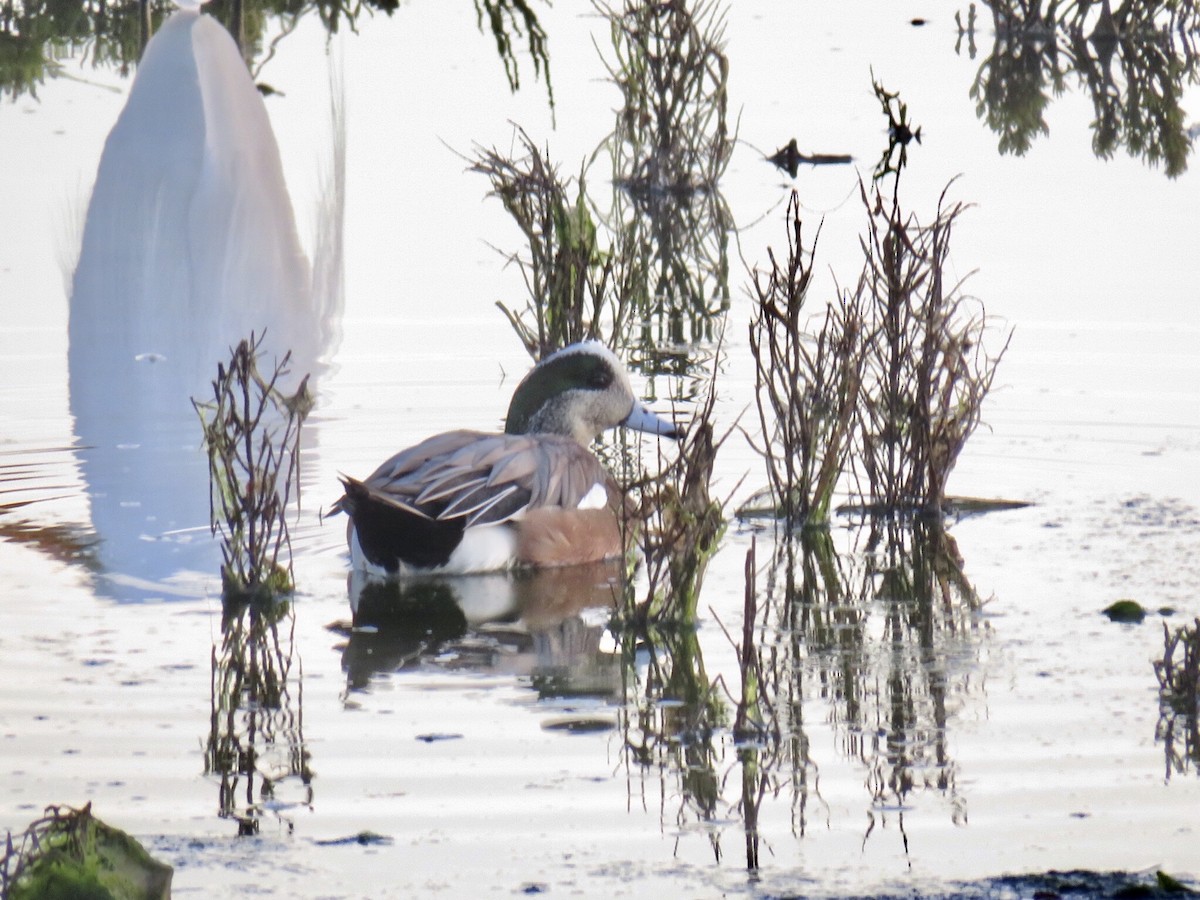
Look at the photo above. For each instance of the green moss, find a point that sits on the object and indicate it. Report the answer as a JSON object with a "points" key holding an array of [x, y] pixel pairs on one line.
{"points": [[81, 858], [1126, 611], [58, 877]]}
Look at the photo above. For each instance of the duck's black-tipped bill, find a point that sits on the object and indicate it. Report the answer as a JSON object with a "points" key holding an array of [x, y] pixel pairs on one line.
{"points": [[641, 419]]}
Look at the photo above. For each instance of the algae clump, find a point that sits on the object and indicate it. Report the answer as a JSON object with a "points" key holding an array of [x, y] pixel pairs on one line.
{"points": [[71, 855]]}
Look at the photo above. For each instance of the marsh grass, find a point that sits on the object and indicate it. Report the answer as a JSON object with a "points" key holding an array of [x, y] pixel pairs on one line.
{"points": [[658, 260], [887, 386], [569, 275], [678, 526], [806, 387], [679, 249], [756, 731], [926, 371], [673, 712], [252, 436], [1178, 674]]}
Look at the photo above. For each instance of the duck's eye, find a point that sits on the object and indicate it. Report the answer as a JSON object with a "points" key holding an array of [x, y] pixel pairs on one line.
{"points": [[600, 378]]}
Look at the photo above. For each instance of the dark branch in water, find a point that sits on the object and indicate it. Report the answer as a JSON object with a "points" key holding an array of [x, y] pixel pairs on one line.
{"points": [[789, 158]]}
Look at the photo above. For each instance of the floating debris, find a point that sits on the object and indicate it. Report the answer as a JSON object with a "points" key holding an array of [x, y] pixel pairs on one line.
{"points": [[579, 724], [434, 736], [362, 839], [789, 158]]}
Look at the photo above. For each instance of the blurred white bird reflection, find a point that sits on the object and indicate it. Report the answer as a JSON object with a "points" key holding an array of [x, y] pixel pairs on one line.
{"points": [[190, 244]]}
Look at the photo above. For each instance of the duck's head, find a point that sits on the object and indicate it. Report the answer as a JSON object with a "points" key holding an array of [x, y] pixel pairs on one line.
{"points": [[579, 391]]}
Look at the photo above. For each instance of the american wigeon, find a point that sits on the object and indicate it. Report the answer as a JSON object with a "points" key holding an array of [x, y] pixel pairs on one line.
{"points": [[469, 501]]}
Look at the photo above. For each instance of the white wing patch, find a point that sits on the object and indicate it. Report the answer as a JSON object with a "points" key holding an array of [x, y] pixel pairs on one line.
{"points": [[595, 498]]}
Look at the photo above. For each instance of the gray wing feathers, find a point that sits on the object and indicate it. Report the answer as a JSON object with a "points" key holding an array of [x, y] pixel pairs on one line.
{"points": [[487, 478]]}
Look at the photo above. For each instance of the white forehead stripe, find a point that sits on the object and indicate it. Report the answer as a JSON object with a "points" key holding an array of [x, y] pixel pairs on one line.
{"points": [[598, 349], [595, 498], [594, 347]]}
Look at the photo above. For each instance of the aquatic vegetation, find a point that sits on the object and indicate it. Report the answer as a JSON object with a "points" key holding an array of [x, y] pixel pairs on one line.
{"points": [[679, 525], [870, 637], [567, 273], [806, 387], [35, 34], [255, 744], [926, 370], [658, 260], [670, 722], [252, 436], [1132, 59], [891, 385], [870, 642], [899, 130], [756, 724], [672, 134], [1178, 674], [69, 854], [506, 18], [670, 144]]}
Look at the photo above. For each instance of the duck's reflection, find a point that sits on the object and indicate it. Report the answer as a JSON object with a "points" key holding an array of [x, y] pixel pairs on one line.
{"points": [[190, 244], [547, 626]]}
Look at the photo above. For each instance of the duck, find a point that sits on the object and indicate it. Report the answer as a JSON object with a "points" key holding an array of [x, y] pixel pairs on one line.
{"points": [[533, 496]]}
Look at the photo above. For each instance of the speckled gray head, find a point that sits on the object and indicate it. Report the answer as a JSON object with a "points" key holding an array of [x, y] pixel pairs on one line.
{"points": [[580, 391]]}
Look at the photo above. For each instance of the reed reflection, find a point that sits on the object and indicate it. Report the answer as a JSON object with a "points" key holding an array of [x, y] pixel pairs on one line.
{"points": [[882, 644], [888, 641], [36, 34], [256, 749], [1133, 61], [669, 147], [1178, 674], [671, 726]]}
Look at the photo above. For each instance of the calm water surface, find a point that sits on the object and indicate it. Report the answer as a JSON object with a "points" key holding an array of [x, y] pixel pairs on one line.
{"points": [[1036, 751]]}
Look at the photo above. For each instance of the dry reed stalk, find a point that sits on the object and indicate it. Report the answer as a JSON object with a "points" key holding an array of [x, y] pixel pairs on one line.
{"points": [[926, 371], [252, 436], [805, 387], [568, 275]]}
